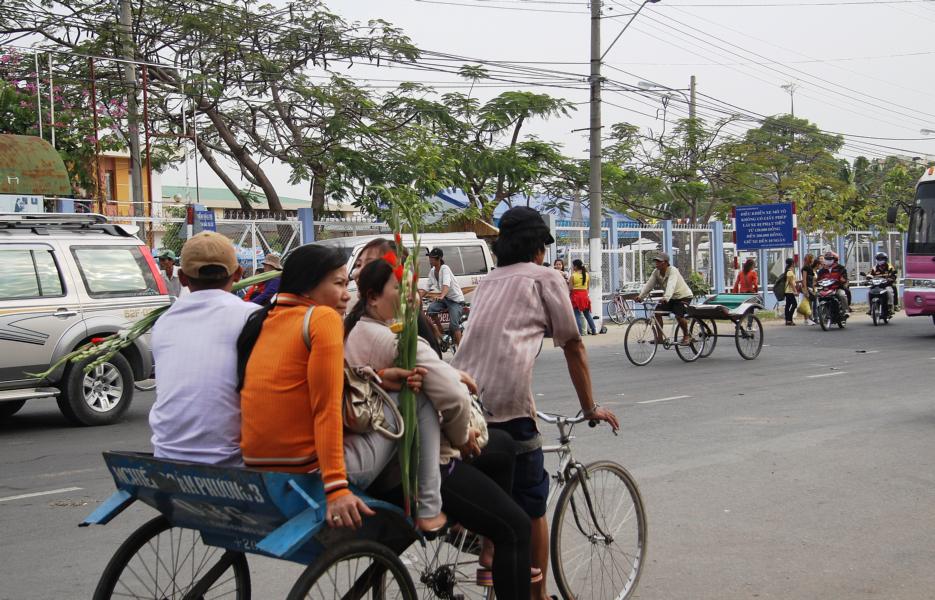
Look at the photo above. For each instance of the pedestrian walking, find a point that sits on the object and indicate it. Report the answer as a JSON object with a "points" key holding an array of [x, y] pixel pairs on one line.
{"points": [[748, 282], [580, 300], [808, 289], [789, 281]]}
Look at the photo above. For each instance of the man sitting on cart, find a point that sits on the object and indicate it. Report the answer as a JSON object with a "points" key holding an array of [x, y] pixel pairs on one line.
{"points": [[675, 298]]}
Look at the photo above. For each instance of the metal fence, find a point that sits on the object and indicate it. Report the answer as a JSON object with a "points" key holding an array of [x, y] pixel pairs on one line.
{"points": [[628, 250], [252, 239]]}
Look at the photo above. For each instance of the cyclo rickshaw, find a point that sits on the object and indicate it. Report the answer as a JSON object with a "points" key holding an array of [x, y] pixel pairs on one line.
{"points": [[211, 517]]}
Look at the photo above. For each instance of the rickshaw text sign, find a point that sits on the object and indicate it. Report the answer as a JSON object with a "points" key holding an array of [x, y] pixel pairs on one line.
{"points": [[762, 226]]}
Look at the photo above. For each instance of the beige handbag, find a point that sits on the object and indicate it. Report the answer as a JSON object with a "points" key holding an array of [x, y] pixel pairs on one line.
{"points": [[363, 400]]}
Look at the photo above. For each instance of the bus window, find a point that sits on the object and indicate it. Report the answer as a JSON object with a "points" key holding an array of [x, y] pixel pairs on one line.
{"points": [[922, 222]]}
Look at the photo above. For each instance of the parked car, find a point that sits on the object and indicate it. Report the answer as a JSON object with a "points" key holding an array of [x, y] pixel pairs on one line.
{"points": [[67, 279], [468, 256]]}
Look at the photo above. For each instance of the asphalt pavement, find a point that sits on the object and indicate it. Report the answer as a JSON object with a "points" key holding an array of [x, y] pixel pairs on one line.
{"points": [[807, 473]]}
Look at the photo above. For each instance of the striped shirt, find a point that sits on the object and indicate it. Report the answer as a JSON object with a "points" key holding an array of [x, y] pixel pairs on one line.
{"points": [[291, 398], [514, 308]]}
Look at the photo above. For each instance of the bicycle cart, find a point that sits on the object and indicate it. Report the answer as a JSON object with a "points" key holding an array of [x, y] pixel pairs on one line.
{"points": [[211, 517], [740, 310]]}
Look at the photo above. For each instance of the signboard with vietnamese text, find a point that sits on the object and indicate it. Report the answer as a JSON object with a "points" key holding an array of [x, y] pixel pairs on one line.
{"points": [[204, 220], [20, 203], [762, 226]]}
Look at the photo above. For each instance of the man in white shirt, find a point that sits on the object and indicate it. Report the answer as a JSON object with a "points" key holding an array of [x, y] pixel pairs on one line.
{"points": [[446, 293], [170, 273], [676, 295], [196, 416]]}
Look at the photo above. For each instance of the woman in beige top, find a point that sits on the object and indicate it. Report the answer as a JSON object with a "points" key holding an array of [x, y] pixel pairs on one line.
{"points": [[469, 497]]}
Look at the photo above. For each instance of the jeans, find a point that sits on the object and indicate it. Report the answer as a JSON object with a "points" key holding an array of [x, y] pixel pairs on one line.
{"points": [[791, 304], [454, 310], [367, 454], [587, 316]]}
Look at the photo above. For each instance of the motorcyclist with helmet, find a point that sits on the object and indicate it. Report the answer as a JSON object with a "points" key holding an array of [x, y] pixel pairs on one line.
{"points": [[884, 269], [832, 269]]}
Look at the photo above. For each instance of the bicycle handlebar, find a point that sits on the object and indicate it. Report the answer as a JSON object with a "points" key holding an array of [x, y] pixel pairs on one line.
{"points": [[554, 419]]}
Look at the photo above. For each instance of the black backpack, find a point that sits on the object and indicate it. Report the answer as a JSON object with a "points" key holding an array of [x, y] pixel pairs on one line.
{"points": [[779, 286]]}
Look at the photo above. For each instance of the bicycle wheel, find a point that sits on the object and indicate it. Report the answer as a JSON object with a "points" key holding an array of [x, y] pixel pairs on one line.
{"points": [[599, 552], [639, 342], [355, 569], [161, 561], [446, 567], [614, 313], [748, 336], [711, 341], [693, 350]]}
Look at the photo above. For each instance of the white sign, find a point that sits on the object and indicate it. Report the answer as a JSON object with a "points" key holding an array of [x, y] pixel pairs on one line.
{"points": [[12, 203]]}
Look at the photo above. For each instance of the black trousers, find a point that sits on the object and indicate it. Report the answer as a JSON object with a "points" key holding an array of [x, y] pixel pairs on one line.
{"points": [[791, 304], [477, 495]]}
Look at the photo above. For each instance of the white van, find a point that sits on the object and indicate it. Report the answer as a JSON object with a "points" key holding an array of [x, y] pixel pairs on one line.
{"points": [[468, 256]]}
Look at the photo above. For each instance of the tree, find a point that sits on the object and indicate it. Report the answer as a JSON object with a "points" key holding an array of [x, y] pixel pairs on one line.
{"points": [[494, 162], [776, 159], [74, 126], [244, 69]]}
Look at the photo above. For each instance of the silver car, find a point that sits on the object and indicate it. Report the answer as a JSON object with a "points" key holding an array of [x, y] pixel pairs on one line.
{"points": [[66, 279]]}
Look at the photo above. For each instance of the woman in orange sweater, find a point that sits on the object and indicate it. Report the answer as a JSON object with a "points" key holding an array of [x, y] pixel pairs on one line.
{"points": [[290, 395]]}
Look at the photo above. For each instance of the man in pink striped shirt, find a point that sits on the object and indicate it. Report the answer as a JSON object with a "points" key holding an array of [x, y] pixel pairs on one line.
{"points": [[514, 308]]}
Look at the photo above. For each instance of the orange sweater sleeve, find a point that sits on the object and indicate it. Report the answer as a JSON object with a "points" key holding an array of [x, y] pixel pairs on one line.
{"points": [[325, 384]]}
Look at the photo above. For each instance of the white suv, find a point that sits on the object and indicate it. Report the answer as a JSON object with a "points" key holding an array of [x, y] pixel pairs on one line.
{"points": [[66, 279]]}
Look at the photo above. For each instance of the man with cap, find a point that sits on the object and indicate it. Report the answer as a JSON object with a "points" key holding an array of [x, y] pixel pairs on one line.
{"points": [[262, 293], [196, 416], [676, 295], [446, 293], [170, 274], [514, 308]]}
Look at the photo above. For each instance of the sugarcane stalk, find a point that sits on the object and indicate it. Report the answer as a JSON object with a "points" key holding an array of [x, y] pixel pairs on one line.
{"points": [[104, 349]]}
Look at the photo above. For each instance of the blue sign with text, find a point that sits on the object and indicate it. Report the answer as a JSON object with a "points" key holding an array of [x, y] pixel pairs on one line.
{"points": [[762, 226], [204, 220]]}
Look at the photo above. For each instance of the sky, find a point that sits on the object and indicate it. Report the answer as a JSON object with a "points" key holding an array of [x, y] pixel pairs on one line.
{"points": [[860, 67]]}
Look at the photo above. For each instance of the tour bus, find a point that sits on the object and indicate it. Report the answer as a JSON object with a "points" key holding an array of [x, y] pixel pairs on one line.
{"points": [[919, 283]]}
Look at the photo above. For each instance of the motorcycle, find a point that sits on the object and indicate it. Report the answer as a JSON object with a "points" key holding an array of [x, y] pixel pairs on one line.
{"points": [[828, 309], [880, 309]]}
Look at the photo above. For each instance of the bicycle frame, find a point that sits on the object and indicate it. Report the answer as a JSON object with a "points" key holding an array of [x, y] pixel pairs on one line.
{"points": [[569, 469]]}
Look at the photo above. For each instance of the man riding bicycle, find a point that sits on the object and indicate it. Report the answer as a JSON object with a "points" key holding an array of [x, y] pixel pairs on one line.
{"points": [[446, 295], [675, 298]]}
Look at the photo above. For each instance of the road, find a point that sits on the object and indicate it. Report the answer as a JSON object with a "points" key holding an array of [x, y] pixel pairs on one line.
{"points": [[808, 473]]}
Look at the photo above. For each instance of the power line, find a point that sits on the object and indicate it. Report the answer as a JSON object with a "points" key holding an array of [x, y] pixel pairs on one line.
{"points": [[787, 72]]}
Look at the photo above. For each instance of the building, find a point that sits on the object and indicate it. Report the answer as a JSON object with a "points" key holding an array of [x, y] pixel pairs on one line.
{"points": [[116, 189]]}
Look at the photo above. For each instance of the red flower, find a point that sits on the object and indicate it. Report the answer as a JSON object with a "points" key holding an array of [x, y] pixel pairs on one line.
{"points": [[97, 340], [390, 257], [398, 271], [398, 238]]}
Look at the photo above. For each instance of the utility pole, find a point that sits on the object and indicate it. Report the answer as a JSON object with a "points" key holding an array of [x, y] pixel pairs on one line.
{"points": [[133, 124], [595, 255], [791, 88], [595, 251]]}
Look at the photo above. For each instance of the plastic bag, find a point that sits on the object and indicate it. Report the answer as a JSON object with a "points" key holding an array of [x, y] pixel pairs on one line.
{"points": [[805, 307]]}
